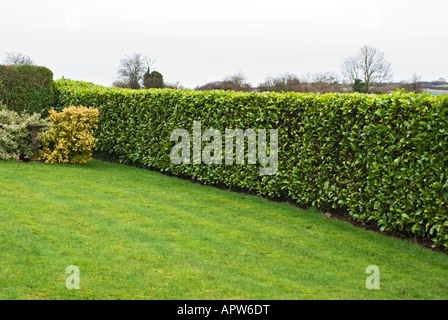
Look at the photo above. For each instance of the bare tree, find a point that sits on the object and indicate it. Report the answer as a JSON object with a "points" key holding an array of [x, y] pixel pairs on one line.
{"points": [[368, 66], [236, 82], [286, 82], [131, 71], [120, 84], [351, 70], [413, 85], [319, 82], [325, 82], [17, 58], [173, 85], [214, 85]]}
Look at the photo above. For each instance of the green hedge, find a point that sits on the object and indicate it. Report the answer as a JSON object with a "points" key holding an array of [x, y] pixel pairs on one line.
{"points": [[381, 158], [25, 88]]}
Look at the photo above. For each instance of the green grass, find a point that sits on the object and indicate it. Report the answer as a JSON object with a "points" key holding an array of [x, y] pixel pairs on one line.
{"points": [[137, 234]]}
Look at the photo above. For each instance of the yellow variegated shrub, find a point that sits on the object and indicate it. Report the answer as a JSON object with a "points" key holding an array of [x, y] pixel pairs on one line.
{"points": [[70, 138]]}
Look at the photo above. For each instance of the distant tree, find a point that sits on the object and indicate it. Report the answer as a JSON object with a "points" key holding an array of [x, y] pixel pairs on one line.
{"points": [[17, 58], [287, 82], [236, 82], [173, 85], [325, 82], [214, 85], [153, 79], [359, 86], [369, 66], [120, 84], [413, 85], [416, 83], [131, 71], [318, 82]]}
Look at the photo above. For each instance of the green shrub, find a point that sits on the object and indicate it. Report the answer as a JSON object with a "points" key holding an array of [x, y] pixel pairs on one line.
{"points": [[25, 88], [70, 139], [381, 158], [15, 139]]}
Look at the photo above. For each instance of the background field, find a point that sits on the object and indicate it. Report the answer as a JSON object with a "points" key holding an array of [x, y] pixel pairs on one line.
{"points": [[436, 92]]}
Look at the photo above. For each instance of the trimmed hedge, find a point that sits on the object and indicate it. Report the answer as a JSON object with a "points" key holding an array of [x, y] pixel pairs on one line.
{"points": [[27, 89], [381, 158]]}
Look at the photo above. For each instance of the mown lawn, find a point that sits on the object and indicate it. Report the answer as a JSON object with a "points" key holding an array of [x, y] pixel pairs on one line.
{"points": [[137, 234]]}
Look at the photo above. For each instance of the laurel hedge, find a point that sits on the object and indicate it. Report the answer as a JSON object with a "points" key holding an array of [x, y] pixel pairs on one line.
{"points": [[380, 158]]}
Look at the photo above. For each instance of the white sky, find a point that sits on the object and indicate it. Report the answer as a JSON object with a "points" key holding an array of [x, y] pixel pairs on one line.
{"points": [[198, 41]]}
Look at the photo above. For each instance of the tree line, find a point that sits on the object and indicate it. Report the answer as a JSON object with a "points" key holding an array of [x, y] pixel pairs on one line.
{"points": [[136, 72], [366, 72]]}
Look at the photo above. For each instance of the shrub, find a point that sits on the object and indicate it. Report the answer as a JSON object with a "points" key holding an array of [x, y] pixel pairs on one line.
{"points": [[15, 139], [380, 158], [70, 139], [26, 88], [153, 80]]}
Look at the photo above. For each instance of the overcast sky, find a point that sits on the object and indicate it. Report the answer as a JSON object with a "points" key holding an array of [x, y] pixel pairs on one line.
{"points": [[198, 41]]}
